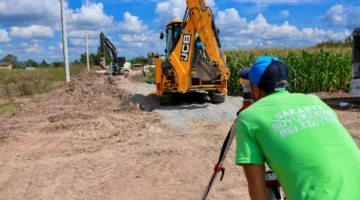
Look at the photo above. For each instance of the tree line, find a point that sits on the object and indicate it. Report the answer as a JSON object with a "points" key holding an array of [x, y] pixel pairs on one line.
{"points": [[94, 59], [10, 58]]}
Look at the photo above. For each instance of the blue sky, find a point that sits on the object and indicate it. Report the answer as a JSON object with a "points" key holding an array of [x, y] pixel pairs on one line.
{"points": [[32, 29]]}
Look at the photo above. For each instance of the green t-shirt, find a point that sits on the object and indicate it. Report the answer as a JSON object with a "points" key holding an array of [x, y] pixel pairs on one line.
{"points": [[302, 141]]}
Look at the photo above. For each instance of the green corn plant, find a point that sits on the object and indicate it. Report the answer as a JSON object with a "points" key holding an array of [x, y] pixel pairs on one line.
{"points": [[310, 70]]}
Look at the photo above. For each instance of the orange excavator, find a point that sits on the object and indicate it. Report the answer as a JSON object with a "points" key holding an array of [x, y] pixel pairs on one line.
{"points": [[194, 59]]}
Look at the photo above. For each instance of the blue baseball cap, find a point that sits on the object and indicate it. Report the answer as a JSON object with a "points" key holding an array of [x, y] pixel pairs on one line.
{"points": [[266, 72]]}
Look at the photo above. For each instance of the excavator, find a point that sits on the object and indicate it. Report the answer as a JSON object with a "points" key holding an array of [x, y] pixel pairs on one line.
{"points": [[194, 59], [117, 66]]}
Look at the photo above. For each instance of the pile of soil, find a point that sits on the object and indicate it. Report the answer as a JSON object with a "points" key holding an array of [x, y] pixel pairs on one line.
{"points": [[88, 98]]}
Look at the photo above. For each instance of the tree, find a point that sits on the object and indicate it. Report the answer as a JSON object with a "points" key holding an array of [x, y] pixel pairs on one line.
{"points": [[348, 40], [139, 60], [31, 63], [59, 64], [76, 62], [43, 64], [11, 59], [92, 58]]}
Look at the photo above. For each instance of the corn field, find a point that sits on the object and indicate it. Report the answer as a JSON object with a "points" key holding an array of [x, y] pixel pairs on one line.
{"points": [[312, 70]]}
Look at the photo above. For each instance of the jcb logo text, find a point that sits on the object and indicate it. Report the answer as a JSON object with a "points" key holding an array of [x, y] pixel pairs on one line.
{"points": [[185, 48]]}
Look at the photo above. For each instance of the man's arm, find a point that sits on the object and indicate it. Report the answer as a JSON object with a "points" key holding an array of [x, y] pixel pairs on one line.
{"points": [[255, 175]]}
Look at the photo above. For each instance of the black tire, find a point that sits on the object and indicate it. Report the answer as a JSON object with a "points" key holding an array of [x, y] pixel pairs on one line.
{"points": [[166, 99], [216, 97]]}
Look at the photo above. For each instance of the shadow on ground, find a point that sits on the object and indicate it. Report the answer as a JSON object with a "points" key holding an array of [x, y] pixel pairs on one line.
{"points": [[189, 101], [343, 103]]}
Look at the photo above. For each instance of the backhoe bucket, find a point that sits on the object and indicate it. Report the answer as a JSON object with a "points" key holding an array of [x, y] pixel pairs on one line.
{"points": [[102, 63], [204, 70]]}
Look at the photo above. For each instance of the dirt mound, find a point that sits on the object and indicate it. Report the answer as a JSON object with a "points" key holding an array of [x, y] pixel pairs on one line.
{"points": [[80, 102]]}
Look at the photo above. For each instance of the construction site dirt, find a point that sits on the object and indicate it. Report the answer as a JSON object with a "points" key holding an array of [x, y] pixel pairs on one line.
{"points": [[89, 139]]}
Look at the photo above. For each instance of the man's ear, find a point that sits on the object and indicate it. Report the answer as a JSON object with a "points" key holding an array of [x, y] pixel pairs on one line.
{"points": [[255, 91]]}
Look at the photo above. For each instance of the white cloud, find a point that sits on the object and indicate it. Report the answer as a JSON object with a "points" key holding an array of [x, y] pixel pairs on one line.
{"points": [[81, 33], [229, 21], [4, 36], [90, 15], [237, 32], [24, 13], [34, 48], [335, 15], [132, 24], [82, 42], [33, 31], [277, 1], [27, 12], [284, 14], [25, 50], [134, 38], [174, 9], [341, 16]]}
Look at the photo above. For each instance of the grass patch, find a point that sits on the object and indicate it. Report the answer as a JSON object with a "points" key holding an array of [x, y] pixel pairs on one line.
{"points": [[19, 82], [10, 107]]}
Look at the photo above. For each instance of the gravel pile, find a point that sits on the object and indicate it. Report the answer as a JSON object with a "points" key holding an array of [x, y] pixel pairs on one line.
{"points": [[178, 116], [195, 106]]}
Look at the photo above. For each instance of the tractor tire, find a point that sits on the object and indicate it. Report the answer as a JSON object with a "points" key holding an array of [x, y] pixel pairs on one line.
{"points": [[166, 99], [216, 98]]}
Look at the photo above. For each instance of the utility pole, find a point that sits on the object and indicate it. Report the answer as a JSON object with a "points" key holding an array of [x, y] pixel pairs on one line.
{"points": [[87, 51], [64, 38]]}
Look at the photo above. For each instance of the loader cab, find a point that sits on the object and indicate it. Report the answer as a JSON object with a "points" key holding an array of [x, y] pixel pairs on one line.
{"points": [[172, 35]]}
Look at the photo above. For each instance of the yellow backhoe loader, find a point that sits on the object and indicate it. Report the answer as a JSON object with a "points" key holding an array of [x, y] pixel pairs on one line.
{"points": [[194, 58]]}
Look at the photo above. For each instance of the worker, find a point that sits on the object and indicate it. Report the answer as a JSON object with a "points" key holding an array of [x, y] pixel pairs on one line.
{"points": [[298, 136], [143, 71], [109, 78], [117, 69]]}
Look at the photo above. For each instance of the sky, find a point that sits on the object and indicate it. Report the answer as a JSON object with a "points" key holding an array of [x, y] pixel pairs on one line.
{"points": [[32, 29]]}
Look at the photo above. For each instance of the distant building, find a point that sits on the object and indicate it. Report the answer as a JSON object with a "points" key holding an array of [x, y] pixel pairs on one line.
{"points": [[151, 57], [30, 68], [6, 65]]}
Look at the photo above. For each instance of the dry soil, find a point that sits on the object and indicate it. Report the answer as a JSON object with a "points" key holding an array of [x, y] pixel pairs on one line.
{"points": [[91, 140]]}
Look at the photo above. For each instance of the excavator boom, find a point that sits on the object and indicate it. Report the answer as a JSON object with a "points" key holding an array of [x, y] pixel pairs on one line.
{"points": [[105, 40]]}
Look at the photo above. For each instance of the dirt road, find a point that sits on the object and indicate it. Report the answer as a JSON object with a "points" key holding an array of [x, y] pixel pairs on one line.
{"points": [[77, 142]]}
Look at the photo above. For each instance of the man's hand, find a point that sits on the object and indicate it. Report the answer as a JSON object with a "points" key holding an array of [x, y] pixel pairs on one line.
{"points": [[255, 175]]}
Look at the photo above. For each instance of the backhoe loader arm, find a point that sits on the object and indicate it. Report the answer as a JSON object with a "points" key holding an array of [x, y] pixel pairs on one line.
{"points": [[105, 40], [203, 19], [198, 18]]}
